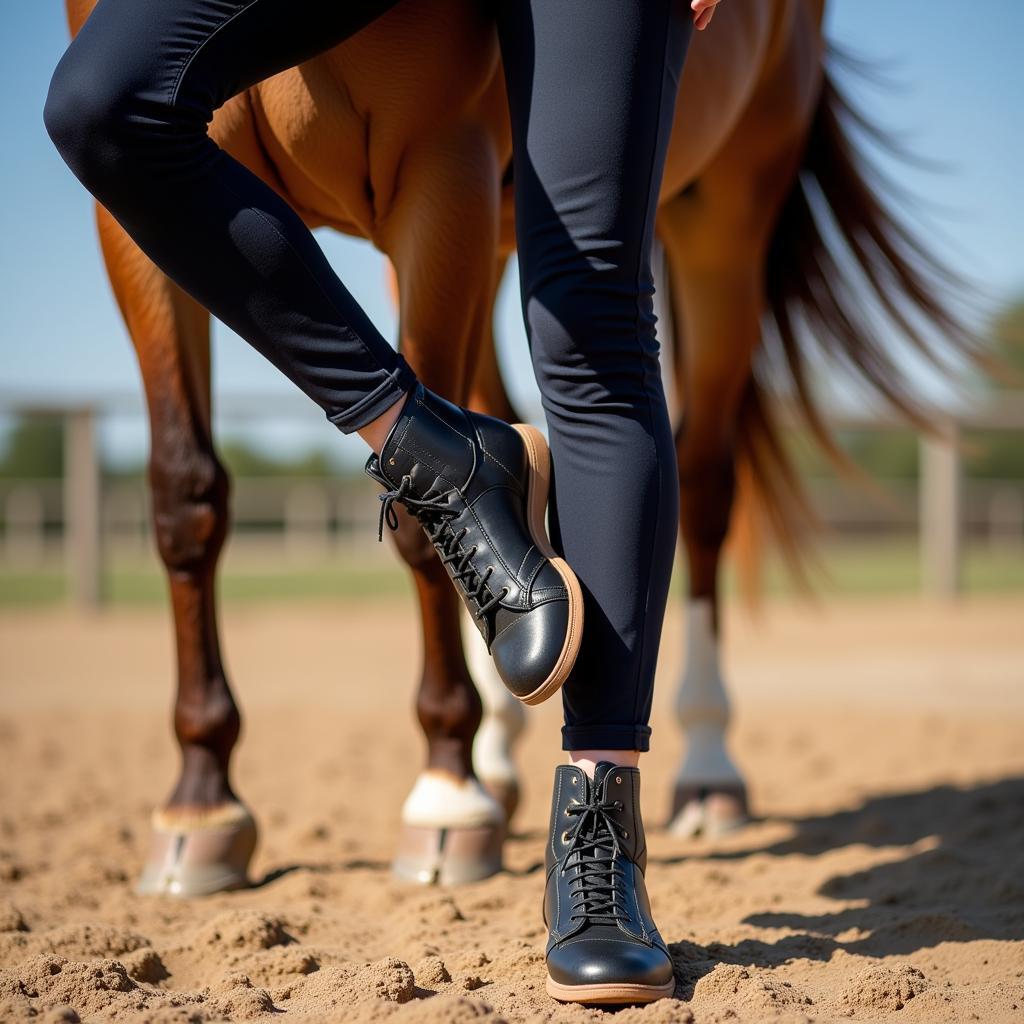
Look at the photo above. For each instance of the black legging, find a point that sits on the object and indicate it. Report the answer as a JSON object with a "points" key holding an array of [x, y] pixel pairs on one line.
{"points": [[591, 87]]}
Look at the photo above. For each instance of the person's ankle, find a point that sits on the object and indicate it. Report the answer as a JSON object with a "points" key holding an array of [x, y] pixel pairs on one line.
{"points": [[588, 760], [376, 432]]}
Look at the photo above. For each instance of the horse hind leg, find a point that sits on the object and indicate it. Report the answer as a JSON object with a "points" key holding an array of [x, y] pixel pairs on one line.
{"points": [[710, 795], [203, 836], [716, 306]]}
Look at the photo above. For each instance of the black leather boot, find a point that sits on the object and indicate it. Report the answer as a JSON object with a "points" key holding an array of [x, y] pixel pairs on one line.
{"points": [[479, 489], [603, 945]]}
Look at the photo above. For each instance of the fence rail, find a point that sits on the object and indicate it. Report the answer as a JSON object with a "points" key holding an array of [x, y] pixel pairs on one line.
{"points": [[315, 516]]}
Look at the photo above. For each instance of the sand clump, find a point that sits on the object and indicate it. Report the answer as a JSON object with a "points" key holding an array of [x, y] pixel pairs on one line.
{"points": [[334, 991], [97, 988], [745, 993], [884, 988], [243, 930]]}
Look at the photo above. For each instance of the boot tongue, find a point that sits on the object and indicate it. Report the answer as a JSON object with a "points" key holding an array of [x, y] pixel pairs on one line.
{"points": [[601, 772]]}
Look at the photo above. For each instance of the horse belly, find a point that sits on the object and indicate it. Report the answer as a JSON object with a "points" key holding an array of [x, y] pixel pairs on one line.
{"points": [[338, 127], [722, 70]]}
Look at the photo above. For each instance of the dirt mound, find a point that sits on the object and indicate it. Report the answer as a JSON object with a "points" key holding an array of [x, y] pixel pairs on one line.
{"points": [[884, 988]]}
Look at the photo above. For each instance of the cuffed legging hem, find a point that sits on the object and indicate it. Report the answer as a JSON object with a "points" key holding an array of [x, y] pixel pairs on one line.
{"points": [[401, 381], [606, 737]]}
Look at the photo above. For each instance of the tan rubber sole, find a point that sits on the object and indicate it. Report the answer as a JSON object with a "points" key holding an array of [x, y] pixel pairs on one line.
{"points": [[609, 994], [537, 502]]}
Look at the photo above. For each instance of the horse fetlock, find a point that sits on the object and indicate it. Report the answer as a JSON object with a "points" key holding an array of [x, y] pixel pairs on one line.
{"points": [[504, 717], [211, 722], [492, 751], [707, 760], [449, 711], [702, 703]]}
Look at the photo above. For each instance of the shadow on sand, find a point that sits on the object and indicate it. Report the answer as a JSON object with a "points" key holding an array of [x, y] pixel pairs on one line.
{"points": [[967, 884]]}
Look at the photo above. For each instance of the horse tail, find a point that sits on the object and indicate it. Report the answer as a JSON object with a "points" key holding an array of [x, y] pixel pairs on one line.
{"points": [[848, 283]]}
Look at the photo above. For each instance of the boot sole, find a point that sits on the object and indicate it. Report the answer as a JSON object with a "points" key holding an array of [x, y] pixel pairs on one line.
{"points": [[539, 459], [610, 993]]}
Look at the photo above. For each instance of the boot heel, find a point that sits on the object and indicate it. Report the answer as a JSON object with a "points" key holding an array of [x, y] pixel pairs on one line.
{"points": [[539, 459]]}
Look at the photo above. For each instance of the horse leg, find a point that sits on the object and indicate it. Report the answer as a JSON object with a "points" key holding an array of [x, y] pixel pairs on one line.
{"points": [[203, 836], [500, 727], [717, 310], [452, 829], [716, 236], [503, 716]]}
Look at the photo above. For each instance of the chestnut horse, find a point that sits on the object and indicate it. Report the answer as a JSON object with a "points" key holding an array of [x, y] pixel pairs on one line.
{"points": [[758, 156]]}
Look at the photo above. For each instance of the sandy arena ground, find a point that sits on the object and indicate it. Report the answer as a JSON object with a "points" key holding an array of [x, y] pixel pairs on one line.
{"points": [[885, 881]]}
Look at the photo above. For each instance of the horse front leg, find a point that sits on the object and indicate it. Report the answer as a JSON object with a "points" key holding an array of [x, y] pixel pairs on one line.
{"points": [[452, 828], [503, 716], [442, 239], [203, 836]]}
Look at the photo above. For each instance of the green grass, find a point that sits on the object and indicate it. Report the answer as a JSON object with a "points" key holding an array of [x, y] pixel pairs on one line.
{"points": [[846, 569], [876, 567], [142, 584]]}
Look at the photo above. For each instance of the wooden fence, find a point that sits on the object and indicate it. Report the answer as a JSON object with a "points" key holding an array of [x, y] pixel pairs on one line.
{"points": [[311, 512]]}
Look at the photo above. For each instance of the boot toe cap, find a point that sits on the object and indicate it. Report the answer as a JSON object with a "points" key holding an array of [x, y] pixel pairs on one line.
{"points": [[527, 652], [608, 962]]}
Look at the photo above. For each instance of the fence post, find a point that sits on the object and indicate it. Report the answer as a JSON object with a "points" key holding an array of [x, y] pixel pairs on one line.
{"points": [[941, 499], [82, 514]]}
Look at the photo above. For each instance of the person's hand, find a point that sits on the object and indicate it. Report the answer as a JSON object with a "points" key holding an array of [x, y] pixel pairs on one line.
{"points": [[703, 12]]}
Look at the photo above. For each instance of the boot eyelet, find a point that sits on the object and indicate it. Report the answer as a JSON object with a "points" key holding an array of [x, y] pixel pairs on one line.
{"points": [[625, 834], [565, 836], [618, 780], [574, 780], [391, 461]]}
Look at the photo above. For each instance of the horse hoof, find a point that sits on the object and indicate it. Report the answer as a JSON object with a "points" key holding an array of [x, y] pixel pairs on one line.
{"points": [[448, 856], [197, 856], [710, 811], [506, 792]]}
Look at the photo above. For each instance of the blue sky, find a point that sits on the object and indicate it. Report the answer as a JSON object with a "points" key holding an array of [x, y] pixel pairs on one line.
{"points": [[959, 89]]}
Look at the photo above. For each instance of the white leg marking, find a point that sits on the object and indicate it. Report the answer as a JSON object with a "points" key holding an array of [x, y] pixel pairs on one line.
{"points": [[439, 800], [702, 705], [503, 719]]}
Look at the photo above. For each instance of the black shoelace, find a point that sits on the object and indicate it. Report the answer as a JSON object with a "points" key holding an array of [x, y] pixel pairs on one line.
{"points": [[433, 514], [597, 887]]}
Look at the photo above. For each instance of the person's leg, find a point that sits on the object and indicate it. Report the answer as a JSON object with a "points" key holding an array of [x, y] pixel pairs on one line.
{"points": [[592, 86], [128, 109]]}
